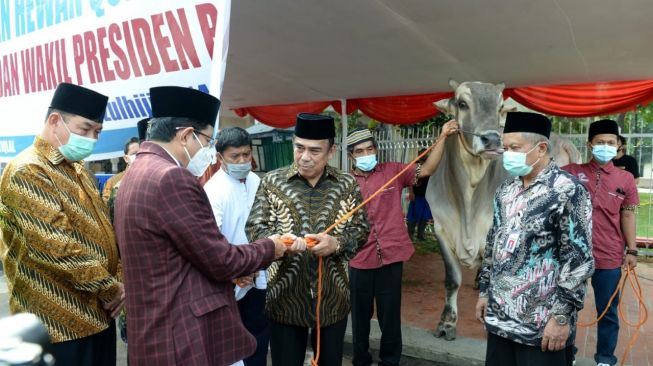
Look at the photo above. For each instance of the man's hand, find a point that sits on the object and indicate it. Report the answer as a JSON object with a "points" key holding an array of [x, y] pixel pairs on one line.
{"points": [[450, 128], [298, 243], [325, 244], [481, 309], [117, 303], [411, 196], [630, 261], [279, 247], [246, 280], [555, 336]]}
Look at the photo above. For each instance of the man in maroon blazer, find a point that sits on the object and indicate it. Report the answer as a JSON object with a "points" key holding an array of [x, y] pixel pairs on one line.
{"points": [[177, 265]]}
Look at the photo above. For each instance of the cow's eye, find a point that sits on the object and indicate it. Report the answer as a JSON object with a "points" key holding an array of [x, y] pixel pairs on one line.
{"points": [[462, 105]]}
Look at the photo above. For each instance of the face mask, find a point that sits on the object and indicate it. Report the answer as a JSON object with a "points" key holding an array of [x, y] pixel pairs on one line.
{"points": [[366, 163], [78, 147], [515, 163], [202, 159], [131, 158], [604, 153], [239, 171]]}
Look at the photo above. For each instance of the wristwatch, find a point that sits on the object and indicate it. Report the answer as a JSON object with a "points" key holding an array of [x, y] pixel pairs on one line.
{"points": [[631, 252], [561, 319]]}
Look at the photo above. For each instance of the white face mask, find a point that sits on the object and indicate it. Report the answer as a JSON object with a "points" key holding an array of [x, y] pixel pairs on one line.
{"points": [[130, 158], [238, 171], [202, 159]]}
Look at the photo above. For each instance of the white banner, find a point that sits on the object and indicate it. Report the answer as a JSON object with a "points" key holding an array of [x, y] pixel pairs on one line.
{"points": [[119, 48]]}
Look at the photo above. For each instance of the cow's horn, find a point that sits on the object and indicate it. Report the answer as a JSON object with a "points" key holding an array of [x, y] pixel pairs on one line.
{"points": [[453, 84], [501, 86]]}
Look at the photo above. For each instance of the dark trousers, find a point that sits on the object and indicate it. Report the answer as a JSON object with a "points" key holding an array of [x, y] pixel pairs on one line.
{"points": [[252, 308], [421, 228], [383, 285], [96, 350], [288, 344], [504, 352], [604, 282]]}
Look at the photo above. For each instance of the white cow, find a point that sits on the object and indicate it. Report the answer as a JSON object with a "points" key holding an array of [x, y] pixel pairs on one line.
{"points": [[461, 190]]}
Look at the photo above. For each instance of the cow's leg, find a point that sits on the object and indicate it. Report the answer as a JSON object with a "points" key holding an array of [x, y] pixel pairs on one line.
{"points": [[453, 278]]}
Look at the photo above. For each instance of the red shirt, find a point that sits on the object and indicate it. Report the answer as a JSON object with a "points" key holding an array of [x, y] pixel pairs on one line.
{"points": [[611, 190], [388, 241]]}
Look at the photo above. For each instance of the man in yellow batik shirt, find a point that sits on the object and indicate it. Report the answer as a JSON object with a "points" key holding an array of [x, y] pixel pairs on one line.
{"points": [[61, 259]]}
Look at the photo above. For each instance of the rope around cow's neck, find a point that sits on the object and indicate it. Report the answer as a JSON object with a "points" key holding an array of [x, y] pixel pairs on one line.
{"points": [[464, 142]]}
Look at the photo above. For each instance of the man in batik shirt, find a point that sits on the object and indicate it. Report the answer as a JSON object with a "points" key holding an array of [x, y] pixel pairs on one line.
{"points": [[538, 253], [62, 260], [306, 198]]}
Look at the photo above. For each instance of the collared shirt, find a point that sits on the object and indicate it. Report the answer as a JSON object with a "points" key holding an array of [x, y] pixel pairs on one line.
{"points": [[612, 190], [113, 182], [388, 241], [287, 203], [231, 201], [111, 190], [62, 258], [538, 255]]}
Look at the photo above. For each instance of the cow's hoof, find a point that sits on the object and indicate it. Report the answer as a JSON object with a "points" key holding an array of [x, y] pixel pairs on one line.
{"points": [[446, 330]]}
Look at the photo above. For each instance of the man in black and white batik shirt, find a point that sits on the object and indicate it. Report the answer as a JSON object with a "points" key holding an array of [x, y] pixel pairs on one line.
{"points": [[538, 253]]}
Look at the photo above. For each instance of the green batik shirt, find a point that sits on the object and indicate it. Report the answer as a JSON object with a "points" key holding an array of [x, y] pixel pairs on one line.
{"points": [[286, 203]]}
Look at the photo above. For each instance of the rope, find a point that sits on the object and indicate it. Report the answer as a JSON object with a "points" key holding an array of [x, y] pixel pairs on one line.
{"points": [[630, 275], [464, 142], [311, 242]]}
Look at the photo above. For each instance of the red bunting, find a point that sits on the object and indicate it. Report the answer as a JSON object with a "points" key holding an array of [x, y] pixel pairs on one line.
{"points": [[578, 100]]}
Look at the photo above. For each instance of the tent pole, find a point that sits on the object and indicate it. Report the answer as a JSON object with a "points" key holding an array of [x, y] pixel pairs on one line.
{"points": [[345, 131]]}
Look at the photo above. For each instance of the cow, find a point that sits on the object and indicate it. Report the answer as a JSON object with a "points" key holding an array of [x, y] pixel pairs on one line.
{"points": [[461, 191]]}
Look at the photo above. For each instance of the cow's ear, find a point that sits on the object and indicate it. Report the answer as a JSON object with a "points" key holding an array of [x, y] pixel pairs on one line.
{"points": [[503, 112], [444, 106], [501, 86], [508, 108], [453, 84]]}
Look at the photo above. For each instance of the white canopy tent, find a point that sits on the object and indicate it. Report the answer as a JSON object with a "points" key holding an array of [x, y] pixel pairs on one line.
{"points": [[288, 51]]}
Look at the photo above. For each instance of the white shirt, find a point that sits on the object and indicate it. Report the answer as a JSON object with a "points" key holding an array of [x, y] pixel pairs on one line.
{"points": [[231, 201]]}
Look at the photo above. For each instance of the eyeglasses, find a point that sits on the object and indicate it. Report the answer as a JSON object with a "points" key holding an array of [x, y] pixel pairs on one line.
{"points": [[212, 141]]}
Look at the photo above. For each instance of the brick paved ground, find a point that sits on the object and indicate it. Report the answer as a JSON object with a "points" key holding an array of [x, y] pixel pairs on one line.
{"points": [[423, 296]]}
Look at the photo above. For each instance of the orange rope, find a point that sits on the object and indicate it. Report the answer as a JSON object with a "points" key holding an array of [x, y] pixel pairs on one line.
{"points": [[311, 242], [630, 275]]}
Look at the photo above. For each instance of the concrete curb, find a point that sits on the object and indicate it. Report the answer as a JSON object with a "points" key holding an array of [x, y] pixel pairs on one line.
{"points": [[421, 344]]}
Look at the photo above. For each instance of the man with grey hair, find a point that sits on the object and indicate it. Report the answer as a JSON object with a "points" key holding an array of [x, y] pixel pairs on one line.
{"points": [[538, 253]]}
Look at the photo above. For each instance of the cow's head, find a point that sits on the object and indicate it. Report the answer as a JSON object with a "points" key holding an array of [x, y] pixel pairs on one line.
{"points": [[478, 108]]}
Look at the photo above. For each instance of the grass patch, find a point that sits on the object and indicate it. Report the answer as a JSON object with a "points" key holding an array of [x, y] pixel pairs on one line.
{"points": [[429, 244], [645, 216]]}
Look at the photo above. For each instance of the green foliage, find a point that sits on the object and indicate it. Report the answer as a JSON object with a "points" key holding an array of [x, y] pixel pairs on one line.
{"points": [[637, 121]]}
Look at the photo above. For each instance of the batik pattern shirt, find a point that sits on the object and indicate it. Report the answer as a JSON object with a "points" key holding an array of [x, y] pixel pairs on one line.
{"points": [[286, 203], [61, 254], [538, 255]]}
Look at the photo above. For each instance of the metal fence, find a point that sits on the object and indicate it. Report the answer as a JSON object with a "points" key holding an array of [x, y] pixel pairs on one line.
{"points": [[403, 146]]}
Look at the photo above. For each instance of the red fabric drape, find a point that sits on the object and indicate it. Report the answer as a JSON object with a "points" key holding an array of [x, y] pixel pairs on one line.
{"points": [[585, 100], [579, 100], [281, 116], [352, 106], [401, 110]]}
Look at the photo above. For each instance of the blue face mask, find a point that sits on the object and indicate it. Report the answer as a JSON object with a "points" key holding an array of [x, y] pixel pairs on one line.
{"points": [[366, 163], [239, 171], [604, 153], [78, 147], [514, 162]]}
